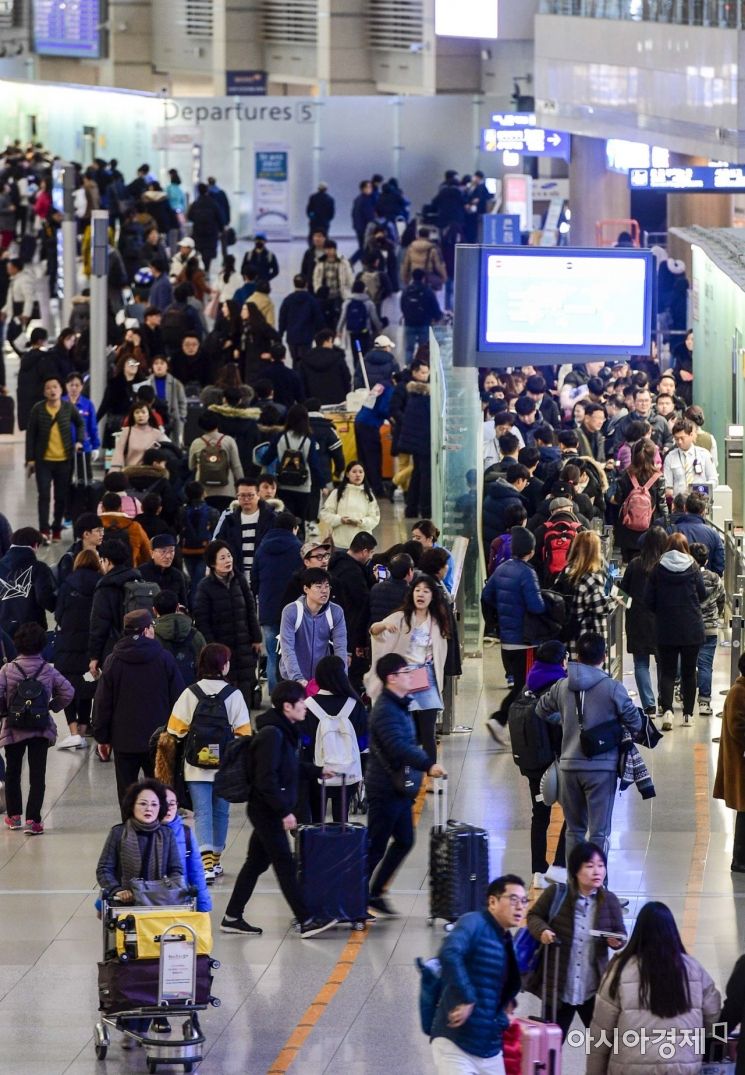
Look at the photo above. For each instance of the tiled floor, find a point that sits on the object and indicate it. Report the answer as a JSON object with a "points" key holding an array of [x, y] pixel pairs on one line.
{"points": [[50, 938]]}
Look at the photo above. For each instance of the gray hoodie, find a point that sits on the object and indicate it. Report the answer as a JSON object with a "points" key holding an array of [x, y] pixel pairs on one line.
{"points": [[315, 637], [602, 699]]}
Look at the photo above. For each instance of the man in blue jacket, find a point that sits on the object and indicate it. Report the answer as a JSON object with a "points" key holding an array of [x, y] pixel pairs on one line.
{"points": [[480, 979], [513, 590], [499, 495], [276, 559], [694, 527]]}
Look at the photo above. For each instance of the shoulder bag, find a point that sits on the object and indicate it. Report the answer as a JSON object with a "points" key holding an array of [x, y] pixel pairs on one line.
{"points": [[600, 739]]}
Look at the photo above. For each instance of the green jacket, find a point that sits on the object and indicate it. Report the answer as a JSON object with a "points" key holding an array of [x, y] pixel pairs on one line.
{"points": [[40, 426]]}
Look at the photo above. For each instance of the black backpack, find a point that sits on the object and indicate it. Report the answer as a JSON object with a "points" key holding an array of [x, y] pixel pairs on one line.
{"points": [[210, 730], [184, 653], [532, 750], [233, 778], [28, 709], [413, 309], [293, 469], [356, 316], [197, 532]]}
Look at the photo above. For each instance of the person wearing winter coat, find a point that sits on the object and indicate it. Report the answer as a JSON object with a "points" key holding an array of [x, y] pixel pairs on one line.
{"points": [[225, 612], [27, 586], [675, 592], [296, 440], [171, 391], [513, 590], [582, 584], [639, 625], [186, 842], [587, 786], [712, 608], [275, 561], [210, 440], [129, 532], [176, 632], [288, 388], [330, 455], [142, 432], [425, 255], [351, 568], [388, 596], [72, 618], [29, 640], [653, 994], [107, 612], [350, 508], [357, 319], [211, 812], [244, 526], [320, 210], [380, 364], [584, 905], [32, 372], [643, 470], [137, 668], [321, 626], [86, 408], [300, 318], [733, 1009], [729, 783], [501, 495], [50, 448], [206, 219], [414, 439], [324, 370], [694, 527], [160, 569], [332, 282]]}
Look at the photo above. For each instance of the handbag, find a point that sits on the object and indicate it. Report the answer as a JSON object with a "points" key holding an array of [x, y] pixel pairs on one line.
{"points": [[161, 893], [418, 679], [600, 739]]}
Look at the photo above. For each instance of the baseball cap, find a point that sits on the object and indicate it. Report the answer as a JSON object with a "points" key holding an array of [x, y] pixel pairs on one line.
{"points": [[384, 341], [309, 547], [138, 620], [187, 241], [163, 541]]}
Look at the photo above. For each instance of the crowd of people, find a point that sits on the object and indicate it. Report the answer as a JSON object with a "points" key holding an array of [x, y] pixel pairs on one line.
{"points": [[232, 542]]}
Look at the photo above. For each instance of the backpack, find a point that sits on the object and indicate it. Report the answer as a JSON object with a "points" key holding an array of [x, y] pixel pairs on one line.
{"points": [[293, 469], [197, 533], [637, 510], [233, 778], [336, 743], [185, 656], [356, 316], [299, 619], [557, 541], [412, 306], [213, 463], [499, 551], [210, 731], [531, 744], [28, 709], [526, 947], [138, 594], [173, 326]]}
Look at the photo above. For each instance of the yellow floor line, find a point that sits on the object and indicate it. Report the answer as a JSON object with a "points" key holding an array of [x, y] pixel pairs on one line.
{"points": [[695, 886]]}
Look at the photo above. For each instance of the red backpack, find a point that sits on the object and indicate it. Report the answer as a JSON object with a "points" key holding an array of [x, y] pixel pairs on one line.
{"points": [[557, 541], [637, 510]]}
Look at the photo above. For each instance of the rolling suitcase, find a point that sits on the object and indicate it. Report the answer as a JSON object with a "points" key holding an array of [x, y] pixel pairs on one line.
{"points": [[540, 1039], [84, 493], [458, 864], [194, 409], [132, 984], [7, 414], [332, 868]]}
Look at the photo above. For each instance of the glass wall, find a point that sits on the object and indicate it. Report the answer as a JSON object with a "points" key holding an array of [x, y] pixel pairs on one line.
{"points": [[728, 14], [456, 470]]}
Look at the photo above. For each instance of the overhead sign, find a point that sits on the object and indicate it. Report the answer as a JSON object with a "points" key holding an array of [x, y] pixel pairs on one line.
{"points": [[722, 179], [467, 18], [501, 229], [245, 83], [507, 136]]}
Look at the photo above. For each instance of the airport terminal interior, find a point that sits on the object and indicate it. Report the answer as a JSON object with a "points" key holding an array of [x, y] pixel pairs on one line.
{"points": [[633, 158]]}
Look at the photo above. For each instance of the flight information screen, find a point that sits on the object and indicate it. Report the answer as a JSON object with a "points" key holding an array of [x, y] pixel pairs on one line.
{"points": [[535, 300], [67, 28]]}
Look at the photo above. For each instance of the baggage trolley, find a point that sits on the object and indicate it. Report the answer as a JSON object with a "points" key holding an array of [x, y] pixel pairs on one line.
{"points": [[175, 985]]}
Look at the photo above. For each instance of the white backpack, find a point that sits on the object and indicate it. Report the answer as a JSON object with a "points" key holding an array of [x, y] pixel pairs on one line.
{"points": [[336, 743]]}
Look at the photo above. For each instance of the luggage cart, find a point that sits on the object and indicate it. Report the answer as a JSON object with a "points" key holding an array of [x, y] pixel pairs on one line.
{"points": [[178, 982]]}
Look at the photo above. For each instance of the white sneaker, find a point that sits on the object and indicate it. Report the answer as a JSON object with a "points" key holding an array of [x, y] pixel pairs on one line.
{"points": [[667, 720], [687, 720], [71, 742], [558, 874], [398, 496], [539, 881], [704, 707], [498, 732]]}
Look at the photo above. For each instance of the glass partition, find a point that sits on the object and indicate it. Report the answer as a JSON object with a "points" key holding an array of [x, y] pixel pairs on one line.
{"points": [[457, 471]]}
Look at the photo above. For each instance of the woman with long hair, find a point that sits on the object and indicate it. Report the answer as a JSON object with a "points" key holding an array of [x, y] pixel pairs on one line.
{"points": [[641, 640], [119, 394], [142, 432], [582, 582], [351, 507], [229, 279], [674, 593], [643, 473], [72, 616], [419, 631], [567, 916], [296, 452], [426, 533], [211, 813], [654, 1004], [257, 337]]}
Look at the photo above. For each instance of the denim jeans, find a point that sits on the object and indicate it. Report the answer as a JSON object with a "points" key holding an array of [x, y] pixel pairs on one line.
{"points": [[704, 665], [211, 815], [415, 334], [270, 634], [644, 680]]}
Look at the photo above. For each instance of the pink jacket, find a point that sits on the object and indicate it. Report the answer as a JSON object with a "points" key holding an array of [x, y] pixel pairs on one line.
{"points": [[61, 693]]}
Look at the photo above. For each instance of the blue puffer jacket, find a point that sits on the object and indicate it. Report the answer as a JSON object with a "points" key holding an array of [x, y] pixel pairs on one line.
{"points": [[513, 590], [392, 733], [694, 528], [193, 869], [498, 497], [380, 366], [478, 967], [276, 559]]}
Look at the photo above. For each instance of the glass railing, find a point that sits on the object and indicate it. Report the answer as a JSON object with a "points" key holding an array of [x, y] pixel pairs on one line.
{"points": [[727, 14]]}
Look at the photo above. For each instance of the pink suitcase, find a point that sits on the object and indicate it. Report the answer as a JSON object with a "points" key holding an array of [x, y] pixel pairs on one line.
{"points": [[540, 1040]]}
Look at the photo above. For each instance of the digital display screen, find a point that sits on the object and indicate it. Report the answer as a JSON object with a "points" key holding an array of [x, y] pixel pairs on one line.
{"points": [[467, 18], [582, 302], [67, 28], [719, 179]]}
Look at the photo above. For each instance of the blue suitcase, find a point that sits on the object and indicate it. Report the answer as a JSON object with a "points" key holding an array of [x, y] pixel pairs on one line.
{"points": [[332, 869]]}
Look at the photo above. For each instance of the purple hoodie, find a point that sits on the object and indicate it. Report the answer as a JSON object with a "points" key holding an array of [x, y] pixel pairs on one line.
{"points": [[543, 675]]}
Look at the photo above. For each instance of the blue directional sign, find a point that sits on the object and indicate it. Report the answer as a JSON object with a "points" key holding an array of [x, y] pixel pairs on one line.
{"points": [[536, 141], [500, 229], [718, 179]]}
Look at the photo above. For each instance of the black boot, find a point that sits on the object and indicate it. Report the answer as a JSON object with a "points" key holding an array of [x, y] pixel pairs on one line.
{"points": [[738, 850]]}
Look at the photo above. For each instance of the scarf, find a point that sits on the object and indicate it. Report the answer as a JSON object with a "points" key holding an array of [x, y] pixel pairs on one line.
{"points": [[632, 768], [130, 856]]}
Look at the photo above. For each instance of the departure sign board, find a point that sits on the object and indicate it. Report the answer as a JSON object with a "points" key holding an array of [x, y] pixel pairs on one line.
{"points": [[517, 132], [67, 28], [719, 179]]}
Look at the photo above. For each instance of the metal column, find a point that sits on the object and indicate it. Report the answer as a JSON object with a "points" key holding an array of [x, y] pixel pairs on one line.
{"points": [[733, 474], [99, 302]]}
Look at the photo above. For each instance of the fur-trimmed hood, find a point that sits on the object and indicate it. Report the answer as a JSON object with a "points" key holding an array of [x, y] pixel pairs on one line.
{"points": [[417, 388]]}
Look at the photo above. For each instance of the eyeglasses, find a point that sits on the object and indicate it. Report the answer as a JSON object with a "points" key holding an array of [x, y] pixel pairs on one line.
{"points": [[320, 556], [516, 901], [148, 804]]}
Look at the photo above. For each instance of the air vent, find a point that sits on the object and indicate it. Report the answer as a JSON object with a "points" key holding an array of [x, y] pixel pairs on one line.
{"points": [[199, 18], [395, 24], [11, 14], [288, 22]]}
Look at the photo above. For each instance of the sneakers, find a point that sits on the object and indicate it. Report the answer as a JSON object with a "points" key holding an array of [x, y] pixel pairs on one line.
{"points": [[667, 720], [687, 720], [216, 867], [539, 881], [208, 862], [498, 732], [13, 822], [398, 496], [56, 536], [557, 874], [313, 926], [380, 906], [704, 707], [71, 742], [160, 1026], [34, 828], [240, 925]]}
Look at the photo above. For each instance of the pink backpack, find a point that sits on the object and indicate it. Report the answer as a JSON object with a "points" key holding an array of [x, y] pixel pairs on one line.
{"points": [[637, 510]]}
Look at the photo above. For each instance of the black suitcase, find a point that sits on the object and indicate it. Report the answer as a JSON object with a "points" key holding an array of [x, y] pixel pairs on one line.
{"points": [[458, 864], [85, 494], [123, 986], [191, 429], [7, 414], [332, 868]]}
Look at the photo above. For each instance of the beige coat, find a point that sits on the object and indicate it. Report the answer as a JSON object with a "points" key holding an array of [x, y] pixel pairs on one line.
{"points": [[422, 254], [399, 643], [353, 505], [265, 305], [625, 1014], [730, 779]]}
